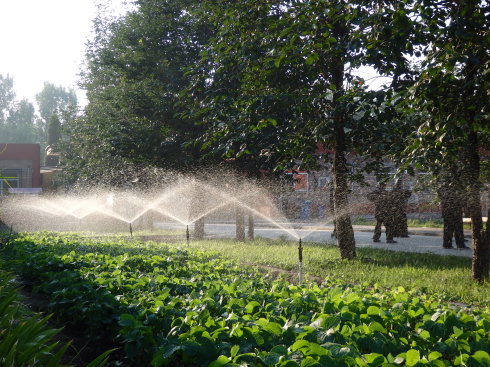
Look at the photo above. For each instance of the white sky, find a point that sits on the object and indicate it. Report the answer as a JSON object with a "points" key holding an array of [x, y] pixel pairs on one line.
{"points": [[44, 40]]}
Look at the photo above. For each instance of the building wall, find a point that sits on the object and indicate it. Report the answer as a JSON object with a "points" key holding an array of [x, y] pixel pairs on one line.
{"points": [[23, 157]]}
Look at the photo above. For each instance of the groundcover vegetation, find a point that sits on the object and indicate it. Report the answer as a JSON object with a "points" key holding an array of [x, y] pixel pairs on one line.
{"points": [[167, 306], [26, 340]]}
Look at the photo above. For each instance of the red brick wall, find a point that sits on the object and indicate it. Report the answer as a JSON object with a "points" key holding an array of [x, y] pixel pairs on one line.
{"points": [[30, 152]]}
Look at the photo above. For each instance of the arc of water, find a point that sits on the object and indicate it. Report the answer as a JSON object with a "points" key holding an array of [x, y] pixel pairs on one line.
{"points": [[113, 214], [189, 220], [170, 215], [291, 231], [194, 219]]}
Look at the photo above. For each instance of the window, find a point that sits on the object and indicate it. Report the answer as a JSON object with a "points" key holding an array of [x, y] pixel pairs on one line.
{"points": [[300, 181], [10, 178]]}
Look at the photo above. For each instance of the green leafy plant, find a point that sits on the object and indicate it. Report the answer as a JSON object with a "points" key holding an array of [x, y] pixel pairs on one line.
{"points": [[169, 306], [25, 338]]}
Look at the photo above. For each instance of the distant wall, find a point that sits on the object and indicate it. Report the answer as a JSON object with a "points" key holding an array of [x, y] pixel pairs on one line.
{"points": [[26, 157]]}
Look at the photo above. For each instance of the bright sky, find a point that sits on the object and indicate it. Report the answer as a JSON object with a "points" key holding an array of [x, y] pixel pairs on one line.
{"points": [[44, 40]]}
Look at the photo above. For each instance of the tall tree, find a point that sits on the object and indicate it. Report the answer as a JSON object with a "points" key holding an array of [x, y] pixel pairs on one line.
{"points": [[54, 137], [55, 100], [136, 69], [451, 100], [19, 126], [278, 79], [16, 117], [7, 96]]}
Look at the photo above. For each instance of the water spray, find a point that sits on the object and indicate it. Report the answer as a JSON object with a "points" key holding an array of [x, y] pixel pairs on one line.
{"points": [[187, 237], [131, 229], [300, 256]]}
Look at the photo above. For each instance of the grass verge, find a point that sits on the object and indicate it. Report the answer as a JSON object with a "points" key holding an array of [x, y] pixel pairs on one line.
{"points": [[447, 276]]}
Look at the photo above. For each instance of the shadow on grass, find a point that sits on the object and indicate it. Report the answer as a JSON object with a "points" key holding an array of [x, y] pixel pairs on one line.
{"points": [[394, 259]]}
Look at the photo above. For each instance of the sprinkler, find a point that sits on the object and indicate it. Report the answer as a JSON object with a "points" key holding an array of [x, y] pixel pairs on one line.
{"points": [[131, 229], [300, 256], [187, 235]]}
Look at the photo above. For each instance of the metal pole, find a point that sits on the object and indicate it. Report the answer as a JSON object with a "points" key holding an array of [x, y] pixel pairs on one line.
{"points": [[300, 256], [131, 229], [187, 235]]}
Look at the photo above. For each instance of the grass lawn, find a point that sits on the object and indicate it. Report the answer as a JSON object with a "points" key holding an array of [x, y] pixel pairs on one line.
{"points": [[447, 276], [427, 223]]}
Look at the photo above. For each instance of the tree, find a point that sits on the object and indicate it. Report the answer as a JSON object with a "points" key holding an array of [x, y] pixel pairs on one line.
{"points": [[54, 137], [16, 117], [450, 100], [19, 126], [136, 69], [277, 79], [7, 96], [55, 100]]}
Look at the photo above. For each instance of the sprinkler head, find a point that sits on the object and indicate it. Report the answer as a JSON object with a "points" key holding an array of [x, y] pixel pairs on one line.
{"points": [[187, 236], [300, 257], [131, 229], [300, 251]]}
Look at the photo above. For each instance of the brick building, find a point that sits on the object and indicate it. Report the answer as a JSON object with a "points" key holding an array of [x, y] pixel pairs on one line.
{"points": [[20, 168]]}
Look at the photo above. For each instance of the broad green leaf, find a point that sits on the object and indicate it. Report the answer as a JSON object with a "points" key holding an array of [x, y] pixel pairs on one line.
{"points": [[271, 359], [234, 350], [412, 357], [481, 357], [374, 359], [251, 306], [373, 310], [220, 361], [299, 344], [309, 362], [280, 349], [434, 355]]}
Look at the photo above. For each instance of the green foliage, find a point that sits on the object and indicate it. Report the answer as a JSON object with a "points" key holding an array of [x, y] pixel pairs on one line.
{"points": [[56, 100], [54, 130], [25, 338], [170, 306], [17, 118], [7, 96], [136, 70]]}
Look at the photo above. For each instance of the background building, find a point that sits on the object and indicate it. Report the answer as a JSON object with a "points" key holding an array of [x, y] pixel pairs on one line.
{"points": [[20, 168]]}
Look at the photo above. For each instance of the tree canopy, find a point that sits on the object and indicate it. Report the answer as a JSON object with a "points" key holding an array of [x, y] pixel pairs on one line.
{"points": [[176, 83]]}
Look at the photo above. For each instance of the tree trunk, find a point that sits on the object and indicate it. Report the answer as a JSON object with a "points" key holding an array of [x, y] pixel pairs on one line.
{"points": [[198, 202], [240, 224], [481, 243], [345, 232], [251, 226]]}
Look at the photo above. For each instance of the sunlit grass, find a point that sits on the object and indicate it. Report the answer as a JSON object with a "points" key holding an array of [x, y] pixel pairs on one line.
{"points": [[413, 222], [448, 276]]}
